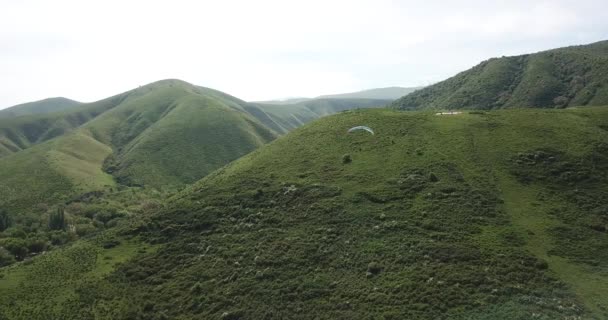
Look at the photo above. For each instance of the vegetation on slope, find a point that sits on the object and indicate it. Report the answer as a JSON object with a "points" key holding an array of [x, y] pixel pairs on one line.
{"points": [[37, 107], [572, 76], [161, 136], [492, 215]]}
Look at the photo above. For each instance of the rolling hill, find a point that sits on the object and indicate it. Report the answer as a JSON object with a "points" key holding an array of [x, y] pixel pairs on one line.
{"points": [[481, 215], [39, 107], [163, 135], [571, 76]]}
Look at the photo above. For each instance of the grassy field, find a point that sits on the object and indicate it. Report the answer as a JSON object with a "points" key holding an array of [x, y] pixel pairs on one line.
{"points": [[572, 76], [481, 215]]}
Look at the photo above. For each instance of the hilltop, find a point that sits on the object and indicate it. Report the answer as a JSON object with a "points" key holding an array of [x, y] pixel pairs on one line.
{"points": [[39, 107], [481, 215], [558, 78]]}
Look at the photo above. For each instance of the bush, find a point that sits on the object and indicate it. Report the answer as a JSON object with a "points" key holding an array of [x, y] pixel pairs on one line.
{"points": [[374, 268], [346, 159], [37, 245], [84, 229], [110, 243], [59, 237], [6, 257]]}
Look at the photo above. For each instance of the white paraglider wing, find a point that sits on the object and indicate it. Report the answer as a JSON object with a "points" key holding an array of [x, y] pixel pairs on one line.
{"points": [[368, 129]]}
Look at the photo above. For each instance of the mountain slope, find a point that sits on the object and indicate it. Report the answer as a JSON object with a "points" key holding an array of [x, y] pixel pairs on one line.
{"points": [[571, 76], [496, 215], [37, 107]]}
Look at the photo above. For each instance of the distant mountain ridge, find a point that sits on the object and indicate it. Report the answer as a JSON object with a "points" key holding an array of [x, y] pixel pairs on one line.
{"points": [[39, 107], [558, 78], [388, 93]]}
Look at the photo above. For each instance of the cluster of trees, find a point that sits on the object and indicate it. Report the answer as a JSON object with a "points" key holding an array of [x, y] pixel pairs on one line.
{"points": [[44, 227]]}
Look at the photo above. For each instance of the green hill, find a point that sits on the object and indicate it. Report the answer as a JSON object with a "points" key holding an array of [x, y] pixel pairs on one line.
{"points": [[163, 135], [167, 133], [495, 215], [572, 76], [37, 107]]}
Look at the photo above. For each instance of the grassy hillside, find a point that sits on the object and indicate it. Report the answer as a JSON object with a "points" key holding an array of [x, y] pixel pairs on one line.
{"points": [[558, 78], [37, 107], [496, 215]]}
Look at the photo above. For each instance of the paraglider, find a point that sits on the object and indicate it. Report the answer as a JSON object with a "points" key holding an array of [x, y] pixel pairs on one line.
{"points": [[368, 129]]}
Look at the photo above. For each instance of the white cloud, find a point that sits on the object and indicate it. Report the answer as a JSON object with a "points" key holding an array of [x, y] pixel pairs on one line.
{"points": [[264, 49]]}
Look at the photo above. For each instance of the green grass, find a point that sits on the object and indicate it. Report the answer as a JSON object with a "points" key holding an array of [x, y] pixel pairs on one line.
{"points": [[571, 76], [436, 217]]}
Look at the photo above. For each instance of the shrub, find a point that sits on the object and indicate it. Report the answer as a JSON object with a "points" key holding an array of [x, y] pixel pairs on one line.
{"points": [[5, 220], [59, 237], [374, 268], [110, 243], [84, 229], [6, 257], [37, 245], [346, 159]]}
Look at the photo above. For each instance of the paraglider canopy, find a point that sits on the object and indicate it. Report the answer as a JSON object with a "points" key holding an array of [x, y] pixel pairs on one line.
{"points": [[357, 128]]}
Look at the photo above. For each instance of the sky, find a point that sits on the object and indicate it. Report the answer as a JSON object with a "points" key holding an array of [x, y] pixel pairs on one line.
{"points": [[270, 49]]}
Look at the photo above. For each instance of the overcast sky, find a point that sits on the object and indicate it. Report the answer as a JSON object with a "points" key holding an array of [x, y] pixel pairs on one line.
{"points": [[255, 50]]}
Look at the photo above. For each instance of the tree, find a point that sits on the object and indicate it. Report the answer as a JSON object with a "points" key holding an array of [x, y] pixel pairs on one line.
{"points": [[18, 247], [57, 220], [5, 220]]}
